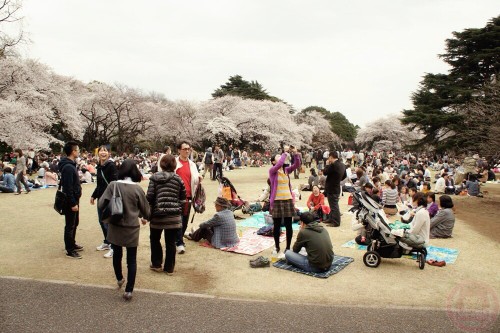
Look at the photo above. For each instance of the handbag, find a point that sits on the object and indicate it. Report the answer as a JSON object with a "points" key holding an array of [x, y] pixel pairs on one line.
{"points": [[60, 201], [115, 206], [302, 169], [226, 193]]}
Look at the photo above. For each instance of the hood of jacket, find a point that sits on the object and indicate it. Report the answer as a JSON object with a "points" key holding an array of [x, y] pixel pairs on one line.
{"points": [[315, 226], [163, 177], [65, 161]]}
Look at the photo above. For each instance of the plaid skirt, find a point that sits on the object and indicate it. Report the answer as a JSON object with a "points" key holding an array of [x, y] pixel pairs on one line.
{"points": [[283, 208]]}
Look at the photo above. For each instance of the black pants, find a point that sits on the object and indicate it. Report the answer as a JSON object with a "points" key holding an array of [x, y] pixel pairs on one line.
{"points": [[217, 167], [72, 219], [202, 233], [277, 231], [157, 251], [333, 202], [131, 265], [186, 211]]}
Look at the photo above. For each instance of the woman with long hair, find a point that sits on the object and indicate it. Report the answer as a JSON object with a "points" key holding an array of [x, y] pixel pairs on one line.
{"points": [[281, 199], [106, 173], [124, 232]]}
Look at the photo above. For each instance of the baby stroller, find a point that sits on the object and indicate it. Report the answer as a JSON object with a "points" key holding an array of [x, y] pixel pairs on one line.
{"points": [[384, 244], [228, 191]]}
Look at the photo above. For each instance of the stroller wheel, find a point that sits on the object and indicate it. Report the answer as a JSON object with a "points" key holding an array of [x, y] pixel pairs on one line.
{"points": [[421, 261], [372, 259]]}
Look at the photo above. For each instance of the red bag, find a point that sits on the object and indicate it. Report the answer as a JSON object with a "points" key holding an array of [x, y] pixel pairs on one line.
{"points": [[349, 200]]}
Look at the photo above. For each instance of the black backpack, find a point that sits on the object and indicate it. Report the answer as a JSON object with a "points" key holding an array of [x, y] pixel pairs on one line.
{"points": [[208, 158]]}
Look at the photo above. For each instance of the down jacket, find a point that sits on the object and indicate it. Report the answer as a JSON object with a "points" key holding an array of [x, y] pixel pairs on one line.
{"points": [[166, 194]]}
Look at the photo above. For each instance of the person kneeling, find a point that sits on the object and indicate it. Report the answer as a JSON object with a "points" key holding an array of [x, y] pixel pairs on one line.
{"points": [[220, 230], [316, 240]]}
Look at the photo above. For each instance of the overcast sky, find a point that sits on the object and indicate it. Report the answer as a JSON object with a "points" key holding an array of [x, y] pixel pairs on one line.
{"points": [[361, 58]]}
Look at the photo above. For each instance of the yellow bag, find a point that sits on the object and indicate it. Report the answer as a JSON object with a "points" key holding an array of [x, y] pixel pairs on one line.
{"points": [[226, 193]]}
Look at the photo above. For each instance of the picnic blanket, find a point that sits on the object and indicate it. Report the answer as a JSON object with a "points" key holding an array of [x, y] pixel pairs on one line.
{"points": [[338, 264], [257, 220], [251, 243], [433, 252]]}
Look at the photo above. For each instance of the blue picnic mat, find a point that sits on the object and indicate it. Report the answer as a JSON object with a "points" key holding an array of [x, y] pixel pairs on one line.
{"points": [[257, 221], [338, 264], [442, 253], [433, 252]]}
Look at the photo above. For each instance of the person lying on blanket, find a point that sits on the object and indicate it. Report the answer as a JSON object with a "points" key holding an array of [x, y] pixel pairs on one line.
{"points": [[220, 230], [316, 240]]}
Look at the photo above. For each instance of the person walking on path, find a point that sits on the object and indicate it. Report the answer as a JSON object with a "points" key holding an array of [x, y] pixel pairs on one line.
{"points": [[166, 196], [70, 186], [208, 161], [124, 232], [21, 168], [335, 172], [106, 173], [218, 160], [281, 198], [190, 176]]}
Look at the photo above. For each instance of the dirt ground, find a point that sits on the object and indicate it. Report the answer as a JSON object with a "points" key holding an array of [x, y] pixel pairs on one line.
{"points": [[31, 245]]}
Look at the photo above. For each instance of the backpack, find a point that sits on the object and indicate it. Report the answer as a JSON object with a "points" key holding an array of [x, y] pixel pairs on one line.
{"points": [[266, 230], [208, 158], [199, 199]]}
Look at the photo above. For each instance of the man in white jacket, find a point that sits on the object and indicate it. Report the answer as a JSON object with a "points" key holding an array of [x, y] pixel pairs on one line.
{"points": [[187, 170]]}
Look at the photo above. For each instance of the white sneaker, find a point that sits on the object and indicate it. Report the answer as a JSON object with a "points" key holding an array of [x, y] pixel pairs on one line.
{"points": [[181, 249], [109, 254], [103, 247], [281, 255]]}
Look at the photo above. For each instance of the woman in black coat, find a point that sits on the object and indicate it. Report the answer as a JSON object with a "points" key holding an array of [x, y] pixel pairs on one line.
{"points": [[106, 173]]}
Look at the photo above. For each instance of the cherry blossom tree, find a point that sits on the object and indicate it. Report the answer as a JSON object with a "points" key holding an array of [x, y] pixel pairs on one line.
{"points": [[322, 134], [10, 20], [36, 104], [386, 134]]}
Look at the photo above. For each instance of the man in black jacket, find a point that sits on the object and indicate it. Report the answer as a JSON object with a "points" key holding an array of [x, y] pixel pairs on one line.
{"points": [[335, 173], [71, 187]]}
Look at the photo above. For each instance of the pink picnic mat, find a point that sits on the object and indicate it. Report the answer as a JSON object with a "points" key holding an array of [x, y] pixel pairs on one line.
{"points": [[251, 243]]}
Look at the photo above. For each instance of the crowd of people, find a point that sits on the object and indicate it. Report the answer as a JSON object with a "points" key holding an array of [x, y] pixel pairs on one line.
{"points": [[402, 183]]}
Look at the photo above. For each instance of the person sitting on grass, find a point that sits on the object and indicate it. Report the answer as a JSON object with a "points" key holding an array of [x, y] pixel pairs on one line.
{"points": [[443, 222], [472, 186], [316, 240], [220, 230], [316, 202], [8, 184], [432, 206]]}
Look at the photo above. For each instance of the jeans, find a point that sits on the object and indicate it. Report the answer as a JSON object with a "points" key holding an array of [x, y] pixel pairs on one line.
{"points": [[185, 219], [157, 252], [333, 202], [104, 226], [20, 180], [277, 231], [6, 189], [300, 261], [131, 265], [217, 167], [72, 219]]}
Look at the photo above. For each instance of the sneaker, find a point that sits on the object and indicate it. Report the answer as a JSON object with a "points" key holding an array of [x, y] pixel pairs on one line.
{"points": [[256, 259], [73, 255], [156, 269], [109, 254], [127, 296], [103, 247], [181, 249], [120, 283], [281, 255], [78, 248], [260, 262]]}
